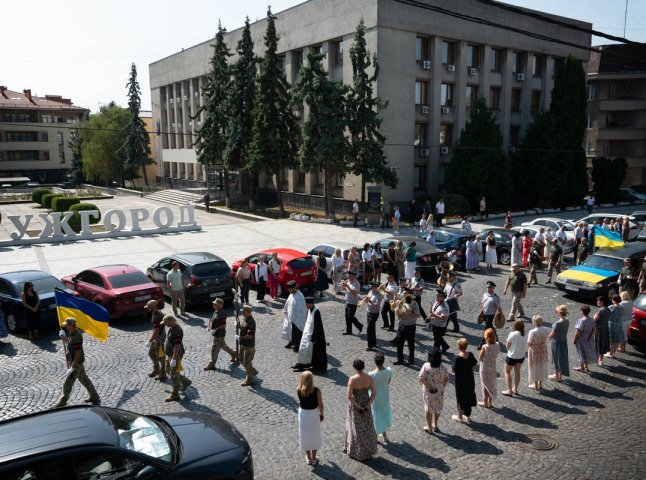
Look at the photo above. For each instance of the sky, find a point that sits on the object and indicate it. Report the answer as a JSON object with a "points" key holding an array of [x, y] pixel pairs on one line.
{"points": [[83, 49]]}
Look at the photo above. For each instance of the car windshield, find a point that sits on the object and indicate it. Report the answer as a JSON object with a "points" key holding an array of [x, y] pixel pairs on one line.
{"points": [[210, 268], [568, 226], [304, 262], [604, 263], [128, 279], [142, 434], [442, 236], [44, 285]]}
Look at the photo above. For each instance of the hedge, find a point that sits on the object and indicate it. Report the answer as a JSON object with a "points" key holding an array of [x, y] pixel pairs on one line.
{"points": [[46, 201], [37, 194], [63, 204], [75, 220], [454, 204]]}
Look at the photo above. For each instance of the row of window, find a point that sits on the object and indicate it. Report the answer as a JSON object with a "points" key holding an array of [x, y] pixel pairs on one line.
{"points": [[28, 155], [446, 135], [30, 137], [475, 56], [623, 92], [31, 117]]}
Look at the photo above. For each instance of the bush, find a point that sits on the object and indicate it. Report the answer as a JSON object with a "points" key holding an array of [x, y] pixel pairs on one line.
{"points": [[63, 204], [37, 194], [75, 220], [47, 199]]}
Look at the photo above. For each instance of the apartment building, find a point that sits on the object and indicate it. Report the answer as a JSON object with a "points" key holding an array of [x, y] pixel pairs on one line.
{"points": [[616, 87], [34, 135], [433, 68]]}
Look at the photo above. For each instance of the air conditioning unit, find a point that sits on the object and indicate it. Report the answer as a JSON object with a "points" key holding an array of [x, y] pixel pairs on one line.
{"points": [[450, 68], [444, 150], [444, 110], [520, 77], [425, 109], [424, 152], [473, 71], [426, 64]]}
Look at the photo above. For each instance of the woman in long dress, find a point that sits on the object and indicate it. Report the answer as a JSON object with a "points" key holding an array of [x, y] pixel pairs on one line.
{"points": [[516, 249], [491, 256], [584, 331], [537, 357], [472, 255], [360, 436], [382, 411], [602, 338], [616, 329], [310, 416], [488, 354], [479, 254], [627, 318], [433, 376], [527, 248], [321, 274], [558, 344], [465, 386], [337, 270], [31, 305]]}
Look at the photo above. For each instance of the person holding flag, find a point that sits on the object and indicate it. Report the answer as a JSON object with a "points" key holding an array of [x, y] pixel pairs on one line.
{"points": [[174, 350], [73, 346]]}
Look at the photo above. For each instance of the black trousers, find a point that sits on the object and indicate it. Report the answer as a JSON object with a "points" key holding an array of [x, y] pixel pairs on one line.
{"points": [[350, 319], [418, 299], [488, 323], [453, 317], [244, 291], [387, 316], [296, 338], [262, 288], [372, 334], [438, 338], [406, 334], [438, 219]]}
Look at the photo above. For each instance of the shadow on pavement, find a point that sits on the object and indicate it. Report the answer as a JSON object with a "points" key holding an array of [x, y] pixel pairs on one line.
{"points": [[524, 419], [551, 406], [409, 454], [467, 445], [597, 392], [332, 471], [491, 430], [570, 399], [276, 396], [126, 395]]}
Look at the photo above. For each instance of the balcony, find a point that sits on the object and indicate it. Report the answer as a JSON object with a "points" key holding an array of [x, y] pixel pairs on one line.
{"points": [[623, 105], [626, 133]]}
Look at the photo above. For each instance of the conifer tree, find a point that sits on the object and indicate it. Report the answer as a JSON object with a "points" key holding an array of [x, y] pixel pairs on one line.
{"points": [[76, 170]]}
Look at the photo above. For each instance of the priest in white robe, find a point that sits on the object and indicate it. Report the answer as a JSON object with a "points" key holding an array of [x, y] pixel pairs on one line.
{"points": [[295, 313]]}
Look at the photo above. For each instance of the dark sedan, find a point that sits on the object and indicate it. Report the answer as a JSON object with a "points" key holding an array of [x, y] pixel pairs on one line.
{"points": [[503, 243], [11, 287], [428, 257], [92, 442], [449, 240]]}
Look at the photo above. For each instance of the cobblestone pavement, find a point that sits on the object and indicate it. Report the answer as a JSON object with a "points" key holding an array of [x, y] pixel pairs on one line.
{"points": [[597, 419]]}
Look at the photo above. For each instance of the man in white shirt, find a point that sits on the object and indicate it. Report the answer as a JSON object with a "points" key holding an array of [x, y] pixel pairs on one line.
{"points": [[540, 239], [261, 275], [355, 212], [483, 208], [439, 316], [176, 289], [439, 207], [561, 236]]}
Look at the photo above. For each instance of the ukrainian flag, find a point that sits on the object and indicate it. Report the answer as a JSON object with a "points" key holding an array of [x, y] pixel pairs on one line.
{"points": [[607, 238], [91, 318]]}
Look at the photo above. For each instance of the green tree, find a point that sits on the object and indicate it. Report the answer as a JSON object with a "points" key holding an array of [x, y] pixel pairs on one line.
{"points": [[240, 100], [324, 143], [210, 142], [273, 145], [607, 176], [102, 136], [136, 146], [76, 170], [478, 166], [366, 150]]}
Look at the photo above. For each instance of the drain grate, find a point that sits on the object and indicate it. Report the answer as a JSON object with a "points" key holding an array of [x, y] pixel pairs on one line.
{"points": [[538, 441]]}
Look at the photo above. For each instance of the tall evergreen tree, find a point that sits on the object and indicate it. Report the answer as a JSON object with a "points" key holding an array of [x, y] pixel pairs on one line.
{"points": [[210, 142], [240, 110], [76, 170], [607, 176], [136, 147], [478, 166], [366, 149], [324, 144], [273, 146]]}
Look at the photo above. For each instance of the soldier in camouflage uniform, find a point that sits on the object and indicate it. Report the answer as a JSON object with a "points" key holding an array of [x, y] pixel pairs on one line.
{"points": [[247, 340], [174, 350], [156, 342], [217, 328], [73, 338]]}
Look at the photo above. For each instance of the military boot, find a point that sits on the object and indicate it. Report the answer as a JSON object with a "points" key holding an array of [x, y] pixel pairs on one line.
{"points": [[154, 373], [173, 397], [185, 383], [209, 366]]}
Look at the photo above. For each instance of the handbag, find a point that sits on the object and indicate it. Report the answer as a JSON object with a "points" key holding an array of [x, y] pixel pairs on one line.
{"points": [[481, 318]]}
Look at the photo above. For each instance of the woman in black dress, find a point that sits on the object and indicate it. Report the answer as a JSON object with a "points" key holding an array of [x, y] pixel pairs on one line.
{"points": [[465, 386], [603, 332], [321, 274], [31, 304]]}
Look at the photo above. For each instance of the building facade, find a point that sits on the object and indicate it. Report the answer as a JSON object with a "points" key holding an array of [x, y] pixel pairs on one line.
{"points": [[433, 68], [35, 134], [616, 82]]}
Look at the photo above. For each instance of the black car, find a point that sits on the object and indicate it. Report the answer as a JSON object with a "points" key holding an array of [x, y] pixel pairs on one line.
{"points": [[205, 276], [92, 442], [428, 257], [503, 243], [11, 287]]}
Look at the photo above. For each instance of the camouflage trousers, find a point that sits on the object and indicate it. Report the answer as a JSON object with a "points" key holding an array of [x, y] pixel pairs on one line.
{"points": [[220, 344], [176, 379], [80, 375], [159, 363], [246, 357]]}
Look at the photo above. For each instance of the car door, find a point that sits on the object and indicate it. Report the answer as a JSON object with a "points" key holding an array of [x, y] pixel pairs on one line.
{"points": [[90, 285], [159, 272], [10, 303], [106, 465]]}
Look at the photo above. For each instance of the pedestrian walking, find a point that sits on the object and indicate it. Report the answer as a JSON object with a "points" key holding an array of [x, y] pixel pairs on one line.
{"points": [[556, 257], [352, 288], [589, 201], [453, 291], [602, 334], [387, 313], [483, 208], [373, 302], [31, 307], [243, 281], [395, 218], [175, 284], [247, 342], [535, 261], [261, 276], [537, 356], [295, 316], [174, 351], [382, 411], [558, 344], [155, 342], [583, 340], [465, 387], [439, 318], [218, 329], [75, 356], [488, 375], [360, 436], [433, 377], [489, 307], [516, 351], [517, 282], [310, 417]]}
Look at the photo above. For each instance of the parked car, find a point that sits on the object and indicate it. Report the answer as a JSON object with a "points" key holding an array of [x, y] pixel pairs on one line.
{"points": [[11, 288], [556, 224], [328, 251], [93, 442], [598, 274], [640, 220], [503, 243], [630, 195], [294, 265], [534, 229], [122, 289], [637, 329], [634, 228], [205, 276], [448, 240], [428, 257]]}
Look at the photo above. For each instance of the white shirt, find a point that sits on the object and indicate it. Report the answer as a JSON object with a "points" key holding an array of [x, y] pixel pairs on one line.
{"points": [[517, 345], [452, 289], [295, 310], [431, 239], [274, 266], [483, 205], [561, 236], [175, 280], [260, 271], [366, 255], [540, 238], [439, 206], [578, 232], [355, 207], [590, 200], [337, 261], [441, 309]]}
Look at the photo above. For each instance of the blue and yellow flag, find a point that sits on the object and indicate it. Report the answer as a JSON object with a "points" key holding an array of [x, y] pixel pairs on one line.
{"points": [[91, 318], [607, 238]]}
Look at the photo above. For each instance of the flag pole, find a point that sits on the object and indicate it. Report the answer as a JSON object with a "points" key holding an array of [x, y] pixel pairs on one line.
{"points": [[236, 306]]}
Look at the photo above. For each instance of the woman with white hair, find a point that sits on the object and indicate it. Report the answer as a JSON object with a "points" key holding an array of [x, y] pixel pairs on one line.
{"points": [[627, 317], [558, 343]]}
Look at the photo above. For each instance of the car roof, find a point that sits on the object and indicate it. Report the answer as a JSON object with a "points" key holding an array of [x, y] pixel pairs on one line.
{"points": [[341, 245], [196, 257], [24, 275], [114, 269], [553, 219], [607, 215], [457, 233], [420, 243], [286, 253], [635, 248], [52, 430]]}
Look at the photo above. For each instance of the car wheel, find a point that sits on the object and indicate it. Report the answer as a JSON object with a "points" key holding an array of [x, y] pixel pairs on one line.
{"points": [[12, 322], [505, 258]]}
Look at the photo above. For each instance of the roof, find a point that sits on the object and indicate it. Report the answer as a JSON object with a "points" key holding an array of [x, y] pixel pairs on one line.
{"points": [[52, 430], [197, 257], [23, 275], [627, 251], [25, 100], [116, 268], [617, 58], [286, 253]]}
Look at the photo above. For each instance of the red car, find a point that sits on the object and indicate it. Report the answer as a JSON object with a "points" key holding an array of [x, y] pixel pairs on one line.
{"points": [[121, 289], [294, 265], [637, 329]]}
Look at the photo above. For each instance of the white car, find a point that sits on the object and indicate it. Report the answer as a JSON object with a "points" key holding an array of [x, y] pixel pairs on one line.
{"points": [[634, 227], [328, 251], [555, 223]]}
